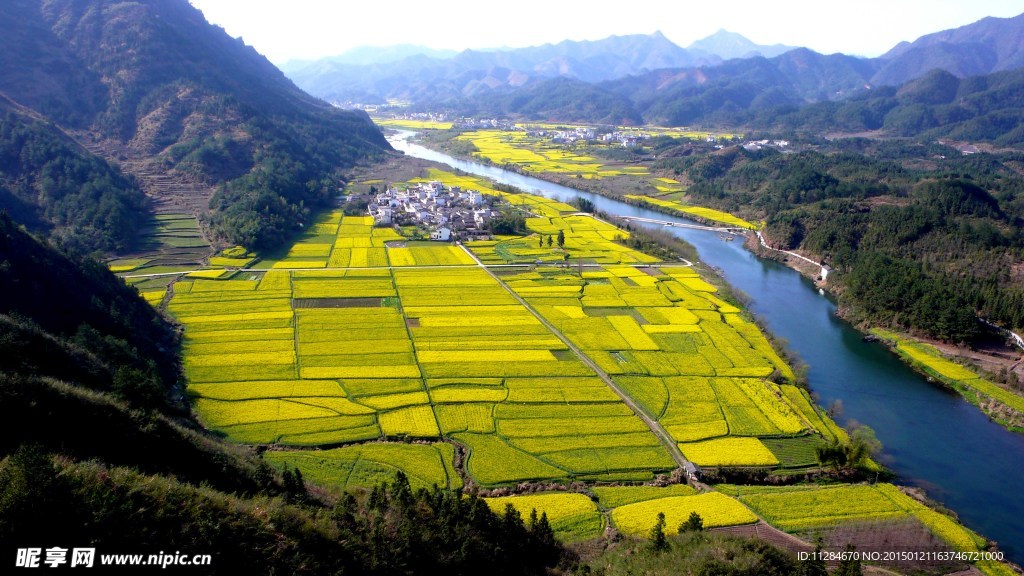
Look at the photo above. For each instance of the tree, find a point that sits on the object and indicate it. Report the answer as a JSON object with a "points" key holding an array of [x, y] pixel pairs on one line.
{"points": [[658, 541], [849, 565], [692, 524], [294, 484], [583, 204], [832, 454], [813, 564], [540, 241], [863, 446], [549, 241], [561, 238]]}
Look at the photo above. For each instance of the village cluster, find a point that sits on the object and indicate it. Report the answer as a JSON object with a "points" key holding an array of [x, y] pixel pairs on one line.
{"points": [[448, 212]]}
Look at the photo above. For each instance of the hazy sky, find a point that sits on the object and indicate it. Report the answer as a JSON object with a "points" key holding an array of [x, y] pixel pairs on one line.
{"points": [[283, 30]]}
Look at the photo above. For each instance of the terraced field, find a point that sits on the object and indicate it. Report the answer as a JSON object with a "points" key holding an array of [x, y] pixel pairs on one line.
{"points": [[385, 355], [805, 509], [173, 243], [355, 334]]}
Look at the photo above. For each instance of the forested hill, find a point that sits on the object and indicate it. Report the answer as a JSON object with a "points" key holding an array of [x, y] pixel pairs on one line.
{"points": [[98, 449], [52, 184], [939, 105], [920, 237], [155, 88]]}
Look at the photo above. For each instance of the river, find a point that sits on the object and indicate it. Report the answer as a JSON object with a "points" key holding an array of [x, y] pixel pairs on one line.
{"points": [[933, 438]]}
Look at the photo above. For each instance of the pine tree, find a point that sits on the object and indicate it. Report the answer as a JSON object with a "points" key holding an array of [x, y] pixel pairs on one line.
{"points": [[401, 491], [543, 530], [561, 238], [692, 524], [814, 565], [849, 565], [658, 541]]}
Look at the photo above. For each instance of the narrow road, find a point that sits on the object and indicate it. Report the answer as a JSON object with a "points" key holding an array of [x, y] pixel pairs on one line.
{"points": [[655, 427], [765, 245]]}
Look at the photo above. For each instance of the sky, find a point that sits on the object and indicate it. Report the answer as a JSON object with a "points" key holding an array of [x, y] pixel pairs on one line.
{"points": [[284, 30]]}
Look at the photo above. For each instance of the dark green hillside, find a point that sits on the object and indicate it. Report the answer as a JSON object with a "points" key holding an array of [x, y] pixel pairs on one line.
{"points": [[153, 87], [938, 105], [51, 183], [563, 98], [390, 531], [78, 306], [919, 236]]}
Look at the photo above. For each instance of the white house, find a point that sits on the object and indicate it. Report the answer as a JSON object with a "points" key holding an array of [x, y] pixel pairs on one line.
{"points": [[442, 234]]}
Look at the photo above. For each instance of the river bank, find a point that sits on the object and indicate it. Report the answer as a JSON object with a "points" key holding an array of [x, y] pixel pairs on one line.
{"points": [[973, 382]]}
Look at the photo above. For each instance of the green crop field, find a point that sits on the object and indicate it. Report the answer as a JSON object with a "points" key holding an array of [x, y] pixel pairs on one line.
{"points": [[687, 357], [615, 496], [366, 465], [417, 350]]}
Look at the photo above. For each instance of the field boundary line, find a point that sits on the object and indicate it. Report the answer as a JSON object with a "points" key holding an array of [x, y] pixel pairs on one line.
{"points": [[654, 426]]}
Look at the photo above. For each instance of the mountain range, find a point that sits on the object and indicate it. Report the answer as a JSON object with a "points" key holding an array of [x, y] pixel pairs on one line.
{"points": [[356, 77], [633, 79]]}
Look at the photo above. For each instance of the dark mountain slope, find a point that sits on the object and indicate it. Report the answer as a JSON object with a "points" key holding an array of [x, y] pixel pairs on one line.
{"points": [[165, 93], [563, 99], [52, 184], [732, 93], [939, 105]]}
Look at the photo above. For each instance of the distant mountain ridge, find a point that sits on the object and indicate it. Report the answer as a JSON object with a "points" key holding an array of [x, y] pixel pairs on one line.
{"points": [[728, 45], [421, 75], [722, 79], [368, 55]]}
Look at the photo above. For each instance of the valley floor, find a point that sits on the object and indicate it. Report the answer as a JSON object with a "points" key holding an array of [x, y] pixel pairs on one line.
{"points": [[575, 380]]}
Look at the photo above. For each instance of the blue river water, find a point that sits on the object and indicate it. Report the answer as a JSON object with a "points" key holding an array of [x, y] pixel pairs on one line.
{"points": [[932, 438]]}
